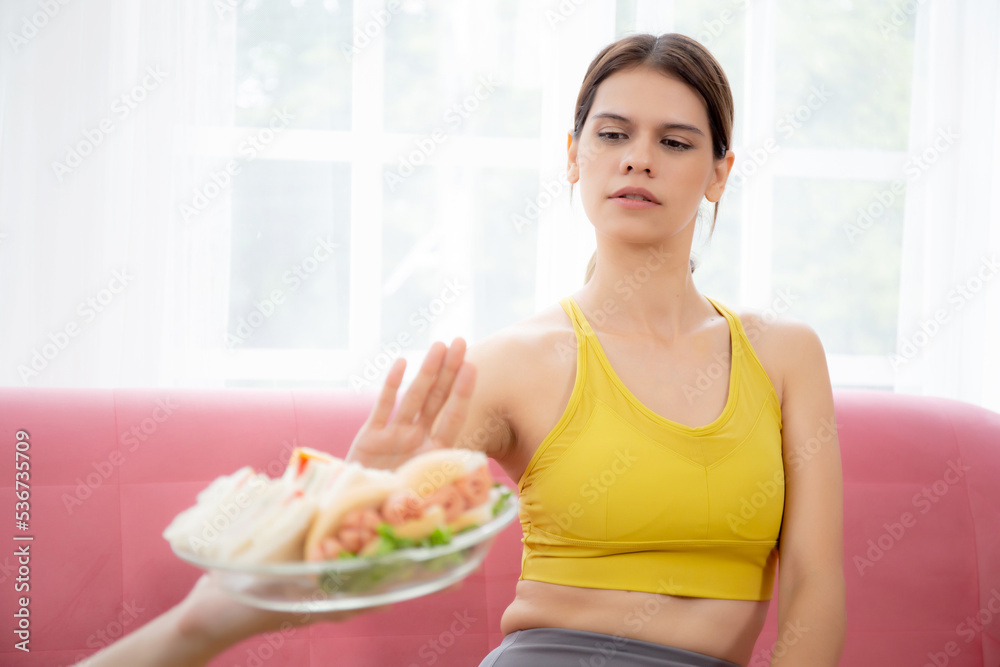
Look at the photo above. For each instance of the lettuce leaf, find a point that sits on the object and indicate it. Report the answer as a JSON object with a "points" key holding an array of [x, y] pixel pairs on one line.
{"points": [[498, 505], [392, 542]]}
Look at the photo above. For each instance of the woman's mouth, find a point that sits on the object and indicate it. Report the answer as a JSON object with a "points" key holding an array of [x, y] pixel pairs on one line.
{"points": [[633, 202]]}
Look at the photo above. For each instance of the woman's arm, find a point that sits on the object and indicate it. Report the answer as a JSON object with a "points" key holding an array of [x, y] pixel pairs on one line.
{"points": [[811, 589], [200, 627]]}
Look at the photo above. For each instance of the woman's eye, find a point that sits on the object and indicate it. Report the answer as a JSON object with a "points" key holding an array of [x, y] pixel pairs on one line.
{"points": [[616, 136], [609, 137]]}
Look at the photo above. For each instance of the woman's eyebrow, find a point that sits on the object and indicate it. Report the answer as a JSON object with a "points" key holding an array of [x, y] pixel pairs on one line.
{"points": [[663, 126]]}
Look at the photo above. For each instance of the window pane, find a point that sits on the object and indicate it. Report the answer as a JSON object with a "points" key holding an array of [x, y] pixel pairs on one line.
{"points": [[291, 56], [417, 270], [506, 253], [442, 72], [625, 11], [290, 255], [411, 249], [844, 73], [836, 249], [719, 25], [718, 259]]}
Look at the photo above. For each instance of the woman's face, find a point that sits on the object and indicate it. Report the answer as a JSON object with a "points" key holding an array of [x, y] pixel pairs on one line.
{"points": [[646, 130]]}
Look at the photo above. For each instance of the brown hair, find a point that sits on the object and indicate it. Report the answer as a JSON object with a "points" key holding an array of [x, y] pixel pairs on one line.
{"points": [[675, 55]]}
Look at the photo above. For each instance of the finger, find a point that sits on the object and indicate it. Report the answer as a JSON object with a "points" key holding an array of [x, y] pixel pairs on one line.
{"points": [[387, 398], [457, 409], [442, 385], [416, 395]]}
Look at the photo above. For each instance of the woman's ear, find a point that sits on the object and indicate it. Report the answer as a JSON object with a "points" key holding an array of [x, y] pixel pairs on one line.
{"points": [[719, 177], [572, 167]]}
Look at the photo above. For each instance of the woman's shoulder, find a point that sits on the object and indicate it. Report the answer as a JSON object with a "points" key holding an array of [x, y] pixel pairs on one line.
{"points": [[780, 341]]}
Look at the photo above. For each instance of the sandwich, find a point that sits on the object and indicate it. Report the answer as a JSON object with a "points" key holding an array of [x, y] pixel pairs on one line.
{"points": [[423, 503], [247, 517], [456, 480], [323, 508]]}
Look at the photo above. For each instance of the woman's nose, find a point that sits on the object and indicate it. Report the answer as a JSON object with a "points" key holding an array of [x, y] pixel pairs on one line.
{"points": [[639, 158]]}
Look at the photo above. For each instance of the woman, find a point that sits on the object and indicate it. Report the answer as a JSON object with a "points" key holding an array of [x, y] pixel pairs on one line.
{"points": [[653, 497], [652, 500]]}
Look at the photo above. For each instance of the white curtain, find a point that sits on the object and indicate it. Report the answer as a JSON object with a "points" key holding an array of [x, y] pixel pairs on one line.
{"points": [[949, 302], [105, 106], [103, 282]]}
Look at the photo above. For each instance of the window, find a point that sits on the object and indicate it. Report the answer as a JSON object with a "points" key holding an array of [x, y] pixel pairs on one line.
{"points": [[416, 190]]}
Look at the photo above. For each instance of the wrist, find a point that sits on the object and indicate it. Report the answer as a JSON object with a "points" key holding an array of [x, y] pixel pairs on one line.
{"points": [[190, 631], [205, 630]]}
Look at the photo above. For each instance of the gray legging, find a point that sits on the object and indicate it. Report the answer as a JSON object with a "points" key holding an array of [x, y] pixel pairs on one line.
{"points": [[559, 647]]}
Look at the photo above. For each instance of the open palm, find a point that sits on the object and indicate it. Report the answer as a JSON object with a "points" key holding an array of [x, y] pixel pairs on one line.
{"points": [[444, 381]]}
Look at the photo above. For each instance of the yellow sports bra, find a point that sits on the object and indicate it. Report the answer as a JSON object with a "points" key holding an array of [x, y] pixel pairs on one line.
{"points": [[618, 497]]}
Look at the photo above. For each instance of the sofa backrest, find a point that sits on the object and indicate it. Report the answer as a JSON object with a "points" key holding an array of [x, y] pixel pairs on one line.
{"points": [[110, 468]]}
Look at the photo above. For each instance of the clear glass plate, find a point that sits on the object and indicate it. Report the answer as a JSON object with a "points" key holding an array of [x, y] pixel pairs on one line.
{"points": [[337, 585]]}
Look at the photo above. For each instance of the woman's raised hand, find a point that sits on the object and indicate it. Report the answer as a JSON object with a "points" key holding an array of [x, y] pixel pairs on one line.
{"points": [[444, 381]]}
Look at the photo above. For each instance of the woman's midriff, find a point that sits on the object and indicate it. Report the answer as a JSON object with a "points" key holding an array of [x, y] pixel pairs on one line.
{"points": [[726, 629]]}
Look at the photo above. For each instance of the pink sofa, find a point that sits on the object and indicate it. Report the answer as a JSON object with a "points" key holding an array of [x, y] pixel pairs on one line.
{"points": [[110, 468]]}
